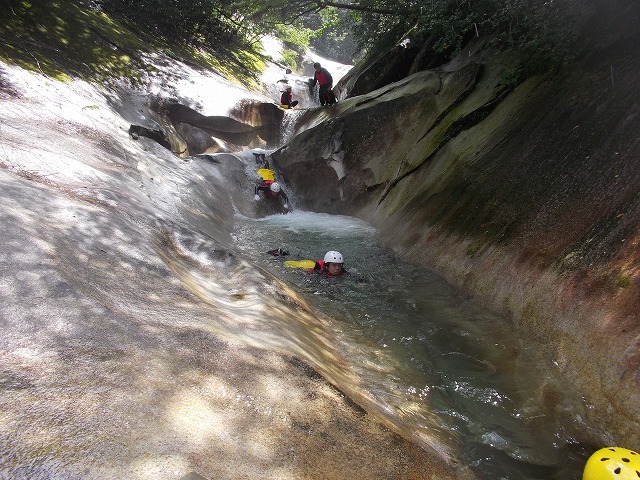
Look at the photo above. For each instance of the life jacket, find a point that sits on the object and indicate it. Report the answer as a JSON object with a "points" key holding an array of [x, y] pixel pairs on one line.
{"points": [[267, 183], [266, 174], [321, 77], [286, 97]]}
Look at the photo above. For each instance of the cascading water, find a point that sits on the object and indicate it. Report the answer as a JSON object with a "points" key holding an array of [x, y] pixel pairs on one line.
{"points": [[289, 124], [276, 79]]}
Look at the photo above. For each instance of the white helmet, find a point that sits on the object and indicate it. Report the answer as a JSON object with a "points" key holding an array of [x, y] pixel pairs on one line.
{"points": [[333, 257], [275, 187]]}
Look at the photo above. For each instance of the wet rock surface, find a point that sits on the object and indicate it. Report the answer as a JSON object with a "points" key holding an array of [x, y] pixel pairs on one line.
{"points": [[525, 196], [116, 272]]}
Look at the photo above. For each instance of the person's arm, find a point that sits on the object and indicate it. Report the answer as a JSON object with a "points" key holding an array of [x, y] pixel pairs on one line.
{"points": [[264, 188], [329, 77], [286, 200]]}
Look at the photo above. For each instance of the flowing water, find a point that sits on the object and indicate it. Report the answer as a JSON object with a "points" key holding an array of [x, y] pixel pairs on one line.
{"points": [[114, 363], [441, 368]]}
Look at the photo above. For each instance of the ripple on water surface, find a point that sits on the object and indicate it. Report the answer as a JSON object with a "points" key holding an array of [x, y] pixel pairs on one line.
{"points": [[439, 365]]}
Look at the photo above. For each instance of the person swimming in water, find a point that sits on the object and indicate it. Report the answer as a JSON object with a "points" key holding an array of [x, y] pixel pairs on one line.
{"points": [[331, 266]]}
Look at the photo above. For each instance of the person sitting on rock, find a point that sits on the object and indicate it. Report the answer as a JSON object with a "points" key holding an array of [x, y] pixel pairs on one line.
{"points": [[286, 100]]}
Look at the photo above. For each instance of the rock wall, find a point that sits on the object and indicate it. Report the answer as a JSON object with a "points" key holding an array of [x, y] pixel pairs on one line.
{"points": [[527, 197]]}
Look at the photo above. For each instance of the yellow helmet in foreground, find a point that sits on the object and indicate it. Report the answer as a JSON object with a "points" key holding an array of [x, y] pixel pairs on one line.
{"points": [[613, 463]]}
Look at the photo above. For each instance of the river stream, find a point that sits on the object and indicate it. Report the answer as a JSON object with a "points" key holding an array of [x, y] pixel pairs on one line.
{"points": [[118, 269], [440, 366]]}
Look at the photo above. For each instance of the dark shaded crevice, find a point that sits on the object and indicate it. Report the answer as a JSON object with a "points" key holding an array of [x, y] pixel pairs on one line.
{"points": [[6, 88], [465, 123], [136, 131], [475, 117], [368, 100], [461, 98], [383, 91], [393, 183], [599, 244]]}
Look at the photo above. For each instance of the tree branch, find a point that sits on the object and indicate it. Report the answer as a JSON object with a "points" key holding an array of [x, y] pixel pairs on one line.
{"points": [[361, 8]]}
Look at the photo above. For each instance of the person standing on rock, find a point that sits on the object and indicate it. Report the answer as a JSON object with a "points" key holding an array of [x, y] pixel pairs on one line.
{"points": [[324, 79], [286, 100]]}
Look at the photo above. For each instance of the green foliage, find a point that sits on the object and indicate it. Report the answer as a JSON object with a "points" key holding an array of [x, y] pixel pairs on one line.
{"points": [[61, 39], [296, 41], [90, 37], [290, 58], [623, 281], [332, 36], [511, 76], [293, 35], [374, 32], [66, 38], [539, 31], [543, 33], [197, 23]]}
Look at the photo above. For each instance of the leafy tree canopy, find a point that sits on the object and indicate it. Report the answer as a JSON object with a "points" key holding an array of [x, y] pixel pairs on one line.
{"points": [[538, 30], [541, 31]]}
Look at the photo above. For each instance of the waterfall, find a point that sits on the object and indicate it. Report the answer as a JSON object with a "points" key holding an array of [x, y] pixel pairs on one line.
{"points": [[289, 125]]}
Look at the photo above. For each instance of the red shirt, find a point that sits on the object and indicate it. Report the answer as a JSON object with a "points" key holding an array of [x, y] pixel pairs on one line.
{"points": [[286, 98], [321, 78]]}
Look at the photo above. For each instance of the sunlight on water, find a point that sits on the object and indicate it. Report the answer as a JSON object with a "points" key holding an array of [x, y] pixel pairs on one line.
{"points": [[289, 125], [440, 368], [117, 366]]}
